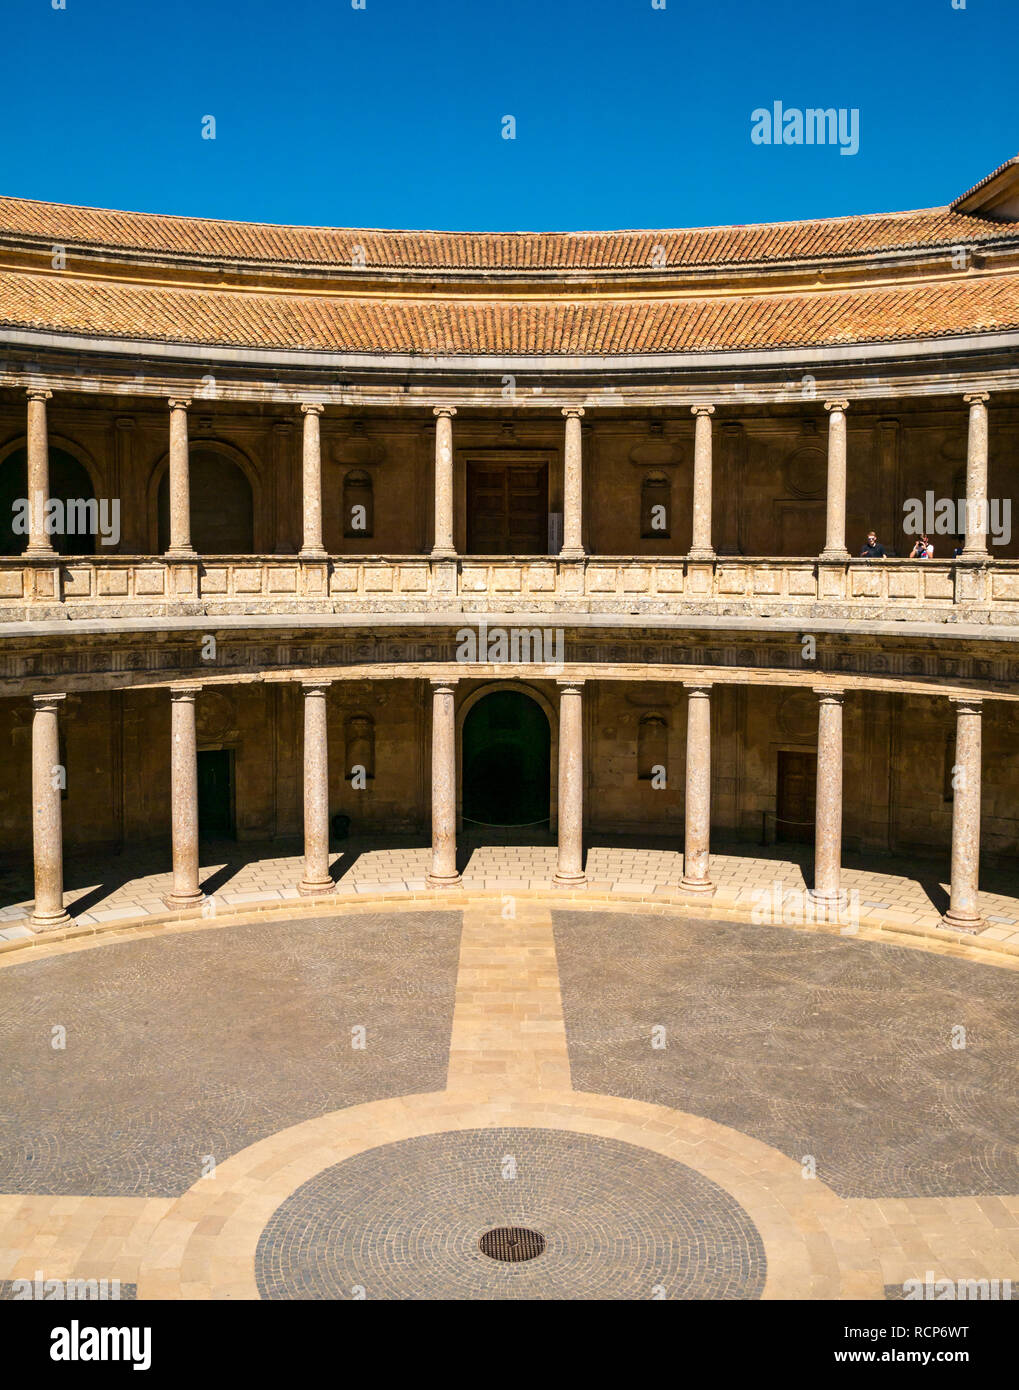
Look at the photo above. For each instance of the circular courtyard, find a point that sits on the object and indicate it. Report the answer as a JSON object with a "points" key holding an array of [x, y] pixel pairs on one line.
{"points": [[566, 1104]]}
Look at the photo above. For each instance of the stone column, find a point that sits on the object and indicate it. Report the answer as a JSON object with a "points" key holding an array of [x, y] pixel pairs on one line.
{"points": [[975, 545], [828, 804], [573, 486], [180, 484], [696, 857], [47, 834], [443, 547], [443, 873], [184, 797], [835, 541], [311, 484], [570, 863], [39, 547], [317, 878], [700, 546], [964, 909]]}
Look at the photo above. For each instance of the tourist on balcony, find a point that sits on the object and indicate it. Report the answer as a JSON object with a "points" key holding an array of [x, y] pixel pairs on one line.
{"points": [[873, 550], [923, 550]]}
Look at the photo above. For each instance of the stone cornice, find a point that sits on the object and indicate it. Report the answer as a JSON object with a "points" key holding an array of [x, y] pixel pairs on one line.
{"points": [[800, 376], [899, 662], [444, 674]]}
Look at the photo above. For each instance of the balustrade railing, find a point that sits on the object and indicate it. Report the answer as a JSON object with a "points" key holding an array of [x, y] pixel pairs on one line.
{"points": [[124, 585]]}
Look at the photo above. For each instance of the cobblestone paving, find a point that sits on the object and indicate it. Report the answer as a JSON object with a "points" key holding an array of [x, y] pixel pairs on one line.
{"points": [[199, 1043], [838, 1049], [403, 1222], [132, 885]]}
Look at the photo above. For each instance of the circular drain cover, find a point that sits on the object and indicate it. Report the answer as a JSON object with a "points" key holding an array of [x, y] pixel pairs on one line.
{"points": [[512, 1244]]}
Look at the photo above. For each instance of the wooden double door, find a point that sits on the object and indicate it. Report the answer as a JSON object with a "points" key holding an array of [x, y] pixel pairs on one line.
{"points": [[795, 799], [507, 506]]}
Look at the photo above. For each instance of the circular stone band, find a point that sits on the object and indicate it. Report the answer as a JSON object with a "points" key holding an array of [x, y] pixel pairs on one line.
{"points": [[404, 1221]]}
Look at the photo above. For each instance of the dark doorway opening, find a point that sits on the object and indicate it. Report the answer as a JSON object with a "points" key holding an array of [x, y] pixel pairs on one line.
{"points": [[69, 482], [506, 762], [507, 507], [794, 800], [215, 794]]}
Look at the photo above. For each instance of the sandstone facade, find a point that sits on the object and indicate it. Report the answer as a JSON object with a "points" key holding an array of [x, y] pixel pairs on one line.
{"points": [[666, 470]]}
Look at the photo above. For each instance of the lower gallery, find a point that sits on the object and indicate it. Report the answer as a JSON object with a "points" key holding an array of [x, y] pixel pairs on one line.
{"points": [[388, 756]]}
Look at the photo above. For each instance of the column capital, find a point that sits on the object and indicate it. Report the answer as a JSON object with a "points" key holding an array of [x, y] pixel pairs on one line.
{"points": [[125, 422], [702, 409], [976, 397], [312, 407], [967, 704], [315, 687], [842, 405], [47, 701], [444, 411], [179, 402], [698, 687], [570, 687], [572, 412], [38, 393], [829, 695], [184, 694], [443, 685]]}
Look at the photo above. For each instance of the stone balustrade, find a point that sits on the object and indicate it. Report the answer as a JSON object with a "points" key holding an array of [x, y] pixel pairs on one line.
{"points": [[129, 586]]}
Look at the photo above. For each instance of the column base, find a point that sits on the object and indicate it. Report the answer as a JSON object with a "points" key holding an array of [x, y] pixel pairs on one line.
{"points": [[702, 554], [828, 906], [702, 886], [443, 880], [569, 880], [962, 921], [314, 888], [834, 556], [440, 553], [310, 553], [48, 921], [187, 556], [181, 902], [39, 552], [572, 553]]}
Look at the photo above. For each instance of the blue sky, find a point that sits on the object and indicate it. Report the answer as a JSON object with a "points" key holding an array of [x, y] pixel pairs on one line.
{"points": [[391, 115]]}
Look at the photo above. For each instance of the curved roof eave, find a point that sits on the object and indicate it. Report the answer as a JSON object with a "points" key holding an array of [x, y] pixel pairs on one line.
{"points": [[314, 360]]}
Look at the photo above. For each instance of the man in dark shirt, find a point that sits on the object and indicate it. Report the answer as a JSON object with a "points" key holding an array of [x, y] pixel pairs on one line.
{"points": [[872, 550]]}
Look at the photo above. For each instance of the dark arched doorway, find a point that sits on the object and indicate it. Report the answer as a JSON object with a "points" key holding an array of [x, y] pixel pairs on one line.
{"points": [[506, 761], [222, 506], [69, 481]]}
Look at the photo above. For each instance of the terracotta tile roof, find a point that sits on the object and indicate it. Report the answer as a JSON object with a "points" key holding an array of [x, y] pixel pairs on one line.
{"points": [[280, 246], [437, 325], [987, 179]]}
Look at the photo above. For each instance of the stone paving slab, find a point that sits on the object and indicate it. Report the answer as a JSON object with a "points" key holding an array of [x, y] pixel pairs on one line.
{"points": [[132, 885]]}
